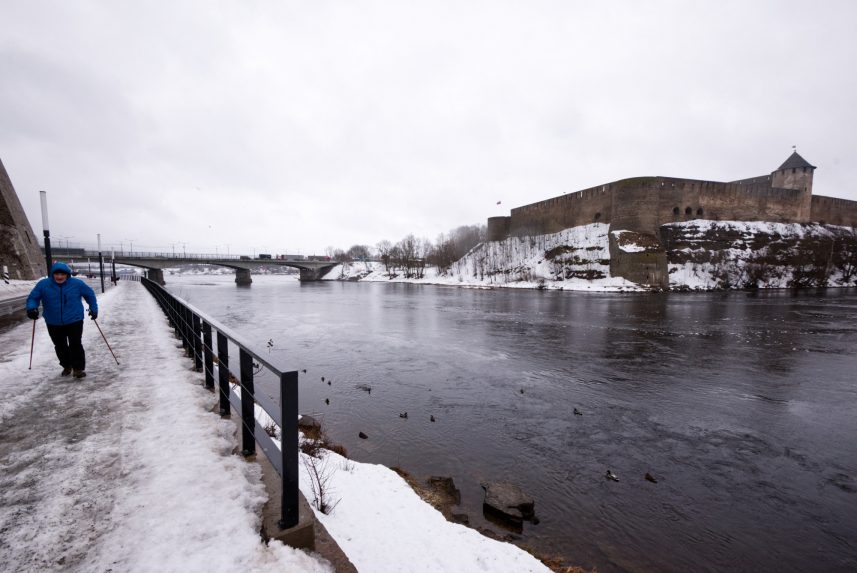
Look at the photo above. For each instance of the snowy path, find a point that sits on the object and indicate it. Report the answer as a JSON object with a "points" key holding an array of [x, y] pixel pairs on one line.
{"points": [[124, 470]]}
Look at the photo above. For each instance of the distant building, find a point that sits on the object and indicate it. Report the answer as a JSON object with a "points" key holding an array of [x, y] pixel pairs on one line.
{"points": [[643, 204], [19, 247]]}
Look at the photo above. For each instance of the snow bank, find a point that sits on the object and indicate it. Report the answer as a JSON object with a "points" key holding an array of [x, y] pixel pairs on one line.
{"points": [[383, 526], [15, 288]]}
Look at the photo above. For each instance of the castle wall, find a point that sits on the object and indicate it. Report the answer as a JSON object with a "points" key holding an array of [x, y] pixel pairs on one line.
{"points": [[19, 247], [833, 211], [498, 228], [686, 199], [643, 204], [592, 205], [635, 204]]}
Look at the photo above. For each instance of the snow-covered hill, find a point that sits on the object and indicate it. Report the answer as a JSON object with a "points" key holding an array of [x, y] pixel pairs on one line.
{"points": [[701, 255]]}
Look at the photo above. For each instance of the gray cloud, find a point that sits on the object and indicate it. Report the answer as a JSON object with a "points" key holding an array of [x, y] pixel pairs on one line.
{"points": [[293, 127]]}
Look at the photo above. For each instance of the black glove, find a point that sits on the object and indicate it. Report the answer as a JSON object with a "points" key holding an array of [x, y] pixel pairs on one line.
{"points": [[93, 314], [33, 313]]}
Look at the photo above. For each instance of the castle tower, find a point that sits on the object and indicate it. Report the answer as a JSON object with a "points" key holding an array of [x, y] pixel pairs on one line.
{"points": [[796, 173], [19, 248]]}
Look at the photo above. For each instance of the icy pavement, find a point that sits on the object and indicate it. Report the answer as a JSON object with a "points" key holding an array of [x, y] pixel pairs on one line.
{"points": [[125, 470]]}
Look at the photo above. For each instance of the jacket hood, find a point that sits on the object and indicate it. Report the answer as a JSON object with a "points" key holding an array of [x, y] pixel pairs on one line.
{"points": [[62, 267]]}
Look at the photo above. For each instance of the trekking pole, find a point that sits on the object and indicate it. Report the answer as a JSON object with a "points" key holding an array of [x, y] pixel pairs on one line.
{"points": [[105, 340], [32, 343]]}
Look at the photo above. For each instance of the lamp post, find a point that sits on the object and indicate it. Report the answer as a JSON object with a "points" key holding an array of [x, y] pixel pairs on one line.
{"points": [[46, 229], [100, 263]]}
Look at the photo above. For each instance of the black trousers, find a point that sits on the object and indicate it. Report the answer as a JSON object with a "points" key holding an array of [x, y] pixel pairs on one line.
{"points": [[67, 344]]}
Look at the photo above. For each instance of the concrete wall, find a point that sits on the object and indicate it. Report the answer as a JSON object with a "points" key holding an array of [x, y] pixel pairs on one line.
{"points": [[19, 247]]}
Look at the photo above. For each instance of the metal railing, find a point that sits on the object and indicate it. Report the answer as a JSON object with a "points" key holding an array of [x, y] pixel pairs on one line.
{"points": [[64, 253], [198, 333]]}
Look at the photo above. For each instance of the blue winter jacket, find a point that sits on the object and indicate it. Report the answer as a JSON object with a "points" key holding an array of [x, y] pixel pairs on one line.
{"points": [[61, 303]]}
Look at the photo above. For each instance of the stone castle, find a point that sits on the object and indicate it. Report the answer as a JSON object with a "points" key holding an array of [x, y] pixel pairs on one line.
{"points": [[19, 247], [642, 204]]}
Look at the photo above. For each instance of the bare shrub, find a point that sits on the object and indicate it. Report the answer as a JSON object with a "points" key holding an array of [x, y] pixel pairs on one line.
{"points": [[320, 474], [272, 430]]}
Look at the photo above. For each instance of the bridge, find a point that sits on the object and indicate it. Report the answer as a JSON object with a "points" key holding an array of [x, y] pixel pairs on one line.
{"points": [[311, 268]]}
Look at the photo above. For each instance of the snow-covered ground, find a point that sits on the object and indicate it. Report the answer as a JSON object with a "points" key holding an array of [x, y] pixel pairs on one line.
{"points": [[382, 525], [15, 288], [557, 261], [128, 470], [762, 253]]}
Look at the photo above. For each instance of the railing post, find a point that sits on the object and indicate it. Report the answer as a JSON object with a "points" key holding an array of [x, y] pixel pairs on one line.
{"points": [[197, 343], [289, 448], [174, 316], [186, 342], [248, 418], [223, 373], [208, 355]]}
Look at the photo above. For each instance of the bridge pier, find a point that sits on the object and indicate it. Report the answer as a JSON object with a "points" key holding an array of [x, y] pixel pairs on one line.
{"points": [[310, 275], [242, 277], [156, 275]]}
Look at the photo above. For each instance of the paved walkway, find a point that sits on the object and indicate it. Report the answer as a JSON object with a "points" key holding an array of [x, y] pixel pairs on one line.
{"points": [[124, 470]]}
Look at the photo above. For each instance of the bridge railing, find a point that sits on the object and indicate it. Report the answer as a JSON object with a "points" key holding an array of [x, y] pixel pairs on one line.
{"points": [[198, 333]]}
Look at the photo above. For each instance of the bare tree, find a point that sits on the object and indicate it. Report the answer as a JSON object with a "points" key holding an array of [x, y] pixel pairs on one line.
{"points": [[384, 248], [359, 252]]}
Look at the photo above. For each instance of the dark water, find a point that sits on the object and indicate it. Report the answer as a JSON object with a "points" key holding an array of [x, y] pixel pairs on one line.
{"points": [[743, 406]]}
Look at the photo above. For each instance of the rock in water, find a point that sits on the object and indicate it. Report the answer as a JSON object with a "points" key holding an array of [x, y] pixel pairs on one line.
{"points": [[363, 436], [308, 423], [506, 500], [651, 478], [445, 486]]}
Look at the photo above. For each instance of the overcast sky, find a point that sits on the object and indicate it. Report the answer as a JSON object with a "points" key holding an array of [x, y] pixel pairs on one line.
{"points": [[288, 127]]}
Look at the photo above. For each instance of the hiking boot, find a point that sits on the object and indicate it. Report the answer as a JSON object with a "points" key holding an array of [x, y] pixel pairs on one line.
{"points": [[65, 371], [79, 374]]}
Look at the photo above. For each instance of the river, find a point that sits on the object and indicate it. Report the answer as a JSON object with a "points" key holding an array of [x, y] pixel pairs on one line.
{"points": [[741, 405]]}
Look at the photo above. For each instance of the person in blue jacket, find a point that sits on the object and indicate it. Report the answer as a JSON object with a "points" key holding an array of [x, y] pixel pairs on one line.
{"points": [[60, 295]]}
